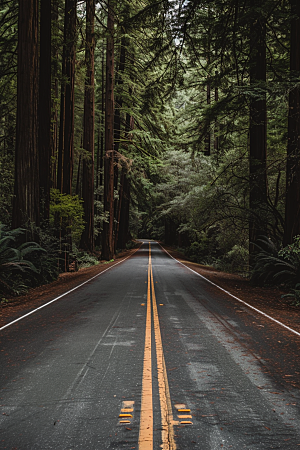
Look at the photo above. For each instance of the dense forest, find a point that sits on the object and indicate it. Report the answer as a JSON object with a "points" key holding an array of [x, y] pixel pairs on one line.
{"points": [[175, 120]]}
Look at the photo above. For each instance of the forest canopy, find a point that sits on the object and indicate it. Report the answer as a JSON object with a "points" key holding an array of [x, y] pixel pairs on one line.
{"points": [[173, 120]]}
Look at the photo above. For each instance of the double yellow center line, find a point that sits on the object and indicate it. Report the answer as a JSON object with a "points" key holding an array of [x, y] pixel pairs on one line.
{"points": [[146, 420]]}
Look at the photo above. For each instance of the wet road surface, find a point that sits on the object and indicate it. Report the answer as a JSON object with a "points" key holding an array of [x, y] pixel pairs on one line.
{"points": [[148, 355]]}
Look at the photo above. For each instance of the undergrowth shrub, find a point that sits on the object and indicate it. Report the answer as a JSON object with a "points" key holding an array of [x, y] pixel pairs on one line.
{"points": [[276, 267], [46, 262], [83, 259], [234, 261], [17, 261], [295, 295]]}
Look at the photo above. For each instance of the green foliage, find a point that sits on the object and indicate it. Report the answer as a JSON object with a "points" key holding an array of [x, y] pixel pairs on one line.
{"points": [[83, 259], [234, 261], [199, 251], [131, 244], [6, 188], [295, 294], [16, 260], [66, 214], [291, 252], [275, 267], [47, 261]]}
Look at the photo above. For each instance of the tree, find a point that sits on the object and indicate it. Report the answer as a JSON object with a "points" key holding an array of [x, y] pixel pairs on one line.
{"points": [[87, 238], [292, 206], [44, 108], [108, 226], [258, 120], [26, 189], [66, 130]]}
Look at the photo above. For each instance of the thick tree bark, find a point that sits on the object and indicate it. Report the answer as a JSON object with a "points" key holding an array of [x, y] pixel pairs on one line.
{"points": [[207, 137], [44, 110], [123, 229], [100, 153], [54, 97], [66, 131], [102, 127], [292, 207], [79, 177], [117, 135], [26, 189], [61, 134], [87, 238], [119, 206], [258, 126], [108, 234], [216, 130], [119, 99]]}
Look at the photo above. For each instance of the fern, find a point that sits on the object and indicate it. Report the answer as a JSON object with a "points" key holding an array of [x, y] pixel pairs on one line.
{"points": [[14, 262], [275, 267]]}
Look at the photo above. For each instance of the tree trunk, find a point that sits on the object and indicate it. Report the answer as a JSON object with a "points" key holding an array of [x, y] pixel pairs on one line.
{"points": [[292, 206], [66, 131], [258, 126], [216, 130], [102, 126], [54, 98], [67, 96], [207, 137], [123, 229], [119, 208], [87, 238], [100, 152], [79, 177], [61, 133], [108, 237], [26, 189], [117, 135], [44, 136], [119, 99]]}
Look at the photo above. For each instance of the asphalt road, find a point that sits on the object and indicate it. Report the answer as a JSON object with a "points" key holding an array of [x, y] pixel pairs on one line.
{"points": [[148, 355]]}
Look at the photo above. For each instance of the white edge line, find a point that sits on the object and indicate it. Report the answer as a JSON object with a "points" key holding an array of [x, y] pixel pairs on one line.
{"points": [[65, 293], [233, 296]]}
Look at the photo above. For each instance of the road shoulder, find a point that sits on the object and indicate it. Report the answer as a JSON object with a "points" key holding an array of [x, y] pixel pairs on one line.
{"points": [[40, 295], [266, 299]]}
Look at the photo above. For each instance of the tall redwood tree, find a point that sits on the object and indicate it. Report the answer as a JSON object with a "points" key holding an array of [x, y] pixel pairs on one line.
{"points": [[44, 109], [66, 129], [292, 206], [26, 188], [87, 238], [258, 120], [108, 226]]}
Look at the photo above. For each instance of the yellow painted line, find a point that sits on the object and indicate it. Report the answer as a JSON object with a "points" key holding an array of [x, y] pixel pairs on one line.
{"points": [[127, 404], [186, 416], [186, 422], [146, 419], [126, 410], [124, 421], [184, 410], [125, 415], [180, 406], [168, 440]]}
